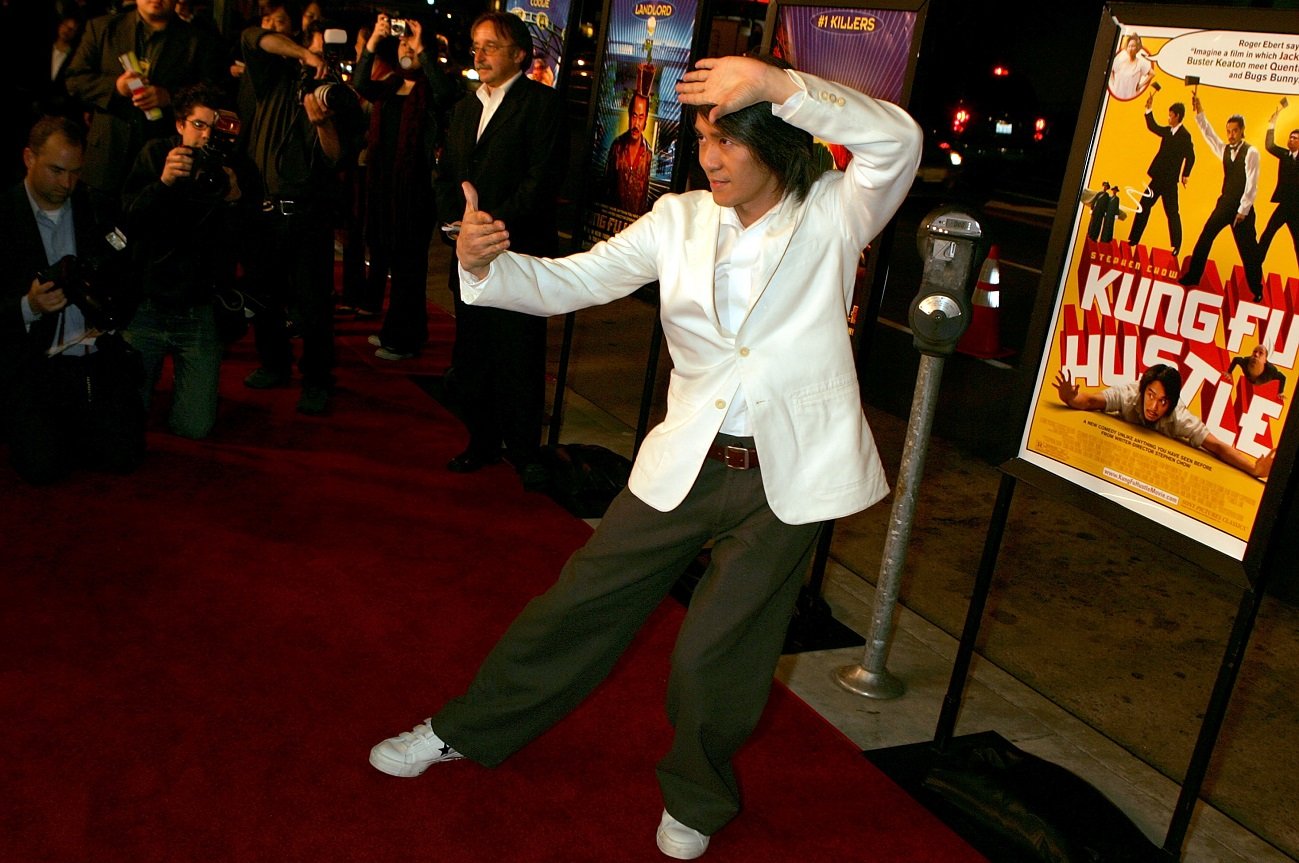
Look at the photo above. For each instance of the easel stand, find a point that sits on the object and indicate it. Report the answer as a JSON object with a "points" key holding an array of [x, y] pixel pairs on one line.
{"points": [[916, 765]]}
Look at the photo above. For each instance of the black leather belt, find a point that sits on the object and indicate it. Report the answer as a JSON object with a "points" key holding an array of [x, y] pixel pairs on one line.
{"points": [[736, 457]]}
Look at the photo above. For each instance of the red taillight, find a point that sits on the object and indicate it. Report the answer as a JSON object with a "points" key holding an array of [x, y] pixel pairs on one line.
{"points": [[1000, 71], [960, 120], [1039, 128]]}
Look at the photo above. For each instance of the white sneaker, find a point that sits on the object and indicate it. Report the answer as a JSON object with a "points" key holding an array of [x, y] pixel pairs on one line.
{"points": [[374, 340], [679, 841], [411, 752]]}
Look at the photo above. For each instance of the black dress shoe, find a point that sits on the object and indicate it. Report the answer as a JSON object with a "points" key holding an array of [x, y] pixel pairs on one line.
{"points": [[470, 461]]}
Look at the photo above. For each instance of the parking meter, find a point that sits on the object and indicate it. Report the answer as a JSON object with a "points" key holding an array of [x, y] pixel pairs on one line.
{"points": [[949, 240]]}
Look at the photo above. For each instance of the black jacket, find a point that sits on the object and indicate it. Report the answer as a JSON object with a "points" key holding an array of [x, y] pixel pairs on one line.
{"points": [[184, 240], [517, 166]]}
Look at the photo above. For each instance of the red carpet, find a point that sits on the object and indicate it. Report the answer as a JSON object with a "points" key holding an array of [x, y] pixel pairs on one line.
{"points": [[196, 660]]}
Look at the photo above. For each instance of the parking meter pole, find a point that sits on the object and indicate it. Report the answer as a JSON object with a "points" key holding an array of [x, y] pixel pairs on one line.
{"points": [[939, 315], [872, 678]]}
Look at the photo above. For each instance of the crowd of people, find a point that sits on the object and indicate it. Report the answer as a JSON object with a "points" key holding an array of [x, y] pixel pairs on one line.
{"points": [[182, 158], [225, 161]]}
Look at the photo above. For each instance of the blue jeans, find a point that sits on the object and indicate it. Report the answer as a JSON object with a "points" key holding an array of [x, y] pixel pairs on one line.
{"points": [[189, 336]]}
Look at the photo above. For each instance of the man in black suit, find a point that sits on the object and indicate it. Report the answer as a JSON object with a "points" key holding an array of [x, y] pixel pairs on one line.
{"points": [[68, 391], [130, 109], [1099, 205], [1170, 167], [510, 141], [1112, 207], [1234, 208], [1286, 195]]}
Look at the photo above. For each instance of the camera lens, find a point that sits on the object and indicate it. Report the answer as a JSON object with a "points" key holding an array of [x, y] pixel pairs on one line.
{"points": [[337, 97]]}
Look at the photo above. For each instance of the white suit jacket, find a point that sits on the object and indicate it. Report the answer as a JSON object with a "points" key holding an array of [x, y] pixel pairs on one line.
{"points": [[791, 354]]}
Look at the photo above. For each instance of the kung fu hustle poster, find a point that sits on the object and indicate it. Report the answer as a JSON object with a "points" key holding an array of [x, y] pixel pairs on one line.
{"points": [[1172, 265]]}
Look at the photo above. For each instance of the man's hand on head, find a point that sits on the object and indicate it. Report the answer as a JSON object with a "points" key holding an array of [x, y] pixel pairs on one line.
{"points": [[732, 83], [482, 239]]}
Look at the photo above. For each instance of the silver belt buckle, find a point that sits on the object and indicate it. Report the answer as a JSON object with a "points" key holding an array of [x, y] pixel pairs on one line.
{"points": [[280, 206], [736, 457]]}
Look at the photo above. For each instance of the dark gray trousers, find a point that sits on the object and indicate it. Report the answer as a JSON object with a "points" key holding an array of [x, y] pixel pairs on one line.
{"points": [[566, 640]]}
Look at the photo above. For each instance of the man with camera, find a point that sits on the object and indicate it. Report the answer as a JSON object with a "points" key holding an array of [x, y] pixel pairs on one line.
{"points": [[68, 385], [186, 198], [133, 105], [297, 144]]}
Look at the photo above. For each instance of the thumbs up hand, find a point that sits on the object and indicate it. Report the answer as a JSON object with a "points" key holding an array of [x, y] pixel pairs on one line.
{"points": [[481, 239]]}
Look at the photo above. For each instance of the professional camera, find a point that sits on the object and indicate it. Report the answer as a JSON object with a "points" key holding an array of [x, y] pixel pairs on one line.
{"points": [[88, 284], [330, 90], [208, 174]]}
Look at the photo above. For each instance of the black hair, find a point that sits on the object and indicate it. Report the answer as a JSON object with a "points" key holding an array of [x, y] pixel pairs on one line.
{"points": [[1166, 375], [507, 24], [293, 8], [48, 127], [784, 149], [1237, 119], [1179, 109], [187, 98]]}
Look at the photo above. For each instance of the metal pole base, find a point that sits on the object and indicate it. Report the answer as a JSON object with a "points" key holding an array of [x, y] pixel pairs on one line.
{"points": [[872, 684]]}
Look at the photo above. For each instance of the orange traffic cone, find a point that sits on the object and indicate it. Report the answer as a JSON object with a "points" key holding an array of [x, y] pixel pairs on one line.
{"points": [[983, 338]]}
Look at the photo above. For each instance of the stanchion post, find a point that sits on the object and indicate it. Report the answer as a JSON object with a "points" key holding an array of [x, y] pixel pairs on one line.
{"points": [[561, 380]]}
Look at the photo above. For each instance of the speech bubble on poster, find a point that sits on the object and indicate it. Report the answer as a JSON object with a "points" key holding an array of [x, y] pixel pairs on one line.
{"points": [[1261, 62]]}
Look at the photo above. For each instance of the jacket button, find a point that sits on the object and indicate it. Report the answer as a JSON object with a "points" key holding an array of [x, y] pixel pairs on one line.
{"points": [[744, 352], [720, 404]]}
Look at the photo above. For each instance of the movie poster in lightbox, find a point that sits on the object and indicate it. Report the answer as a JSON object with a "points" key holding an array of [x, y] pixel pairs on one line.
{"points": [[1130, 302], [867, 49], [547, 21], [637, 116]]}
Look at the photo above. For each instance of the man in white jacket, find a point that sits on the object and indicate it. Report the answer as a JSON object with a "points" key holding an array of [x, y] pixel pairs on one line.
{"points": [[763, 441]]}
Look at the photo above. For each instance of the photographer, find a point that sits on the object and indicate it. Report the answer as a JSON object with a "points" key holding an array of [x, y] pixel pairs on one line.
{"points": [[409, 94], [296, 144], [68, 388], [132, 107], [186, 199]]}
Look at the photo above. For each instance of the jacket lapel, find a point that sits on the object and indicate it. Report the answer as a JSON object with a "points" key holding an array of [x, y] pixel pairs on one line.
{"points": [[700, 255]]}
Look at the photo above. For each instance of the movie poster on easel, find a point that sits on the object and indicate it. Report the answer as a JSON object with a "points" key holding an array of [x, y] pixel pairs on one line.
{"points": [[637, 117], [1170, 365]]}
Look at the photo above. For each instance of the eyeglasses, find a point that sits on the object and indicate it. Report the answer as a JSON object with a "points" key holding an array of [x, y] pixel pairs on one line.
{"points": [[491, 48], [199, 125]]}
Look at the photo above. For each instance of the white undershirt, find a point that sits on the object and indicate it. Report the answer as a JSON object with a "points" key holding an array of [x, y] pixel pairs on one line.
{"points": [[739, 256], [491, 97]]}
